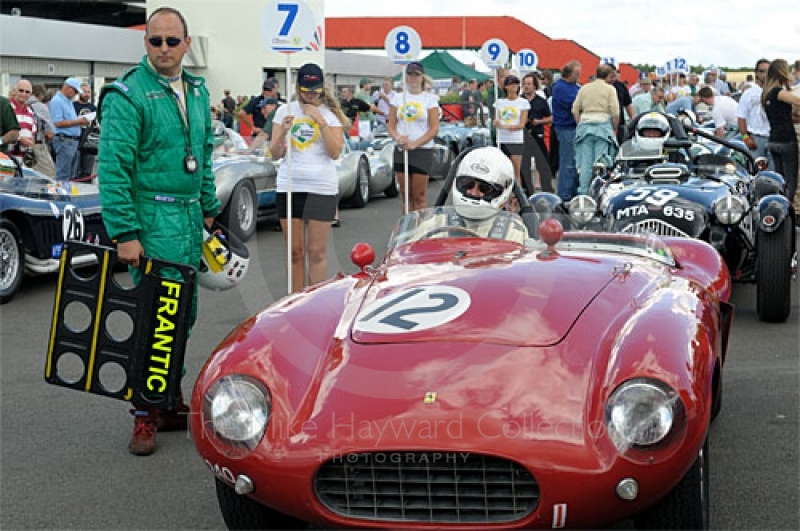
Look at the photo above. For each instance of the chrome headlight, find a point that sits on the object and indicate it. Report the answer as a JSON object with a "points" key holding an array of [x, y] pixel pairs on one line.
{"points": [[641, 413], [237, 409], [729, 210], [582, 208]]}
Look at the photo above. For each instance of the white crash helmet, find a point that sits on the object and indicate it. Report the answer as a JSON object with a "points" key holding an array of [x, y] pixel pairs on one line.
{"points": [[652, 131], [224, 260], [494, 174]]}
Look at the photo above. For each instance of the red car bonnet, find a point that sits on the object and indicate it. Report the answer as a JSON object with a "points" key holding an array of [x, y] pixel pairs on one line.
{"points": [[515, 299]]}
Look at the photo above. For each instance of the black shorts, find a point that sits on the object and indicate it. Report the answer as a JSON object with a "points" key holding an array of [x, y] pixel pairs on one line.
{"points": [[308, 206], [419, 161], [511, 149]]}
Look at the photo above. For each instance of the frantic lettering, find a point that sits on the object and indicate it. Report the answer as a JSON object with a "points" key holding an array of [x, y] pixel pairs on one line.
{"points": [[163, 337]]}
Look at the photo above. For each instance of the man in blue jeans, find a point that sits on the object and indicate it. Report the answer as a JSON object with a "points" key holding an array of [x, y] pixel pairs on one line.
{"points": [[67, 129], [565, 91]]}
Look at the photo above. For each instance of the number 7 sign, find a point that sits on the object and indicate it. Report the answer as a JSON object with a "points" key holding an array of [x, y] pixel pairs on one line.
{"points": [[289, 26]]}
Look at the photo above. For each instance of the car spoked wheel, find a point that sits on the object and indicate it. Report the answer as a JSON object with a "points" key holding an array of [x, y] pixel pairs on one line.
{"points": [[774, 274], [240, 213], [360, 196], [687, 505], [11, 260], [393, 190]]}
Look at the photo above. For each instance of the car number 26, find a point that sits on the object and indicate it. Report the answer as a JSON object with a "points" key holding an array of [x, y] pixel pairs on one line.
{"points": [[659, 197]]}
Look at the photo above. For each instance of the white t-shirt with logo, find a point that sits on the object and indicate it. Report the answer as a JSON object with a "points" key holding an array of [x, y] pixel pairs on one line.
{"points": [[509, 112], [313, 171], [412, 117]]}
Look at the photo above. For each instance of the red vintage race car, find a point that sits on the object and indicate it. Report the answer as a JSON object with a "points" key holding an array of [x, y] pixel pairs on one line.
{"points": [[475, 379]]}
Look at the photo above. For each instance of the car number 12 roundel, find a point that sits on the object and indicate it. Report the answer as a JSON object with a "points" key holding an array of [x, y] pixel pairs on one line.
{"points": [[413, 309]]}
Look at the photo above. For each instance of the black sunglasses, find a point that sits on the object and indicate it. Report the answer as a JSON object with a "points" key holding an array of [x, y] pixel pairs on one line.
{"points": [[156, 42]]}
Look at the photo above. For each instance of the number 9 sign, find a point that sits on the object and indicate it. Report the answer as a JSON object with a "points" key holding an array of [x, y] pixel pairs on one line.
{"points": [[403, 45], [527, 60], [494, 53]]}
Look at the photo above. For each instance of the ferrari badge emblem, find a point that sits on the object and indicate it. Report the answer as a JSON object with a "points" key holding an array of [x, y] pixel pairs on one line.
{"points": [[430, 397]]}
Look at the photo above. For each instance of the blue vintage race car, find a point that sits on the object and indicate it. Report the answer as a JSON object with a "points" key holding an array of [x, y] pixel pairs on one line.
{"points": [[37, 214], [700, 187]]}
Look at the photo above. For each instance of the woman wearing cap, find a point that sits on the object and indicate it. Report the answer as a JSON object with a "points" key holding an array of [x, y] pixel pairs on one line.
{"points": [[413, 124], [511, 116], [314, 122]]}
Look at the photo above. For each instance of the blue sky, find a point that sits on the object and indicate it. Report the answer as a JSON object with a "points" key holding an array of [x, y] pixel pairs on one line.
{"points": [[730, 33]]}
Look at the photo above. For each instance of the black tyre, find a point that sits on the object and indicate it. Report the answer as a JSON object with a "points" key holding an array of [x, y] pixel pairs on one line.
{"points": [[240, 214], [774, 274], [240, 512], [360, 196], [12, 260], [687, 505], [393, 190]]}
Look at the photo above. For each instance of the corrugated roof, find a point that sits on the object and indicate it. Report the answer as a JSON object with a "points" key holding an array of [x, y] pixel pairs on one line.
{"points": [[467, 33]]}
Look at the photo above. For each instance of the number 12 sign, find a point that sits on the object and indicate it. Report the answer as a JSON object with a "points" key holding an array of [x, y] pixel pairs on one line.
{"points": [[403, 45], [288, 26]]}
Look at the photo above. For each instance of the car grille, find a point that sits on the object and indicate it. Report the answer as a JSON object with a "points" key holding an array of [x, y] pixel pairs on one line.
{"points": [[654, 226], [426, 487]]}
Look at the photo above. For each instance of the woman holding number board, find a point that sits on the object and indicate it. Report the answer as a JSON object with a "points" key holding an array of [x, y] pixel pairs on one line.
{"points": [[511, 116], [314, 122], [413, 124]]}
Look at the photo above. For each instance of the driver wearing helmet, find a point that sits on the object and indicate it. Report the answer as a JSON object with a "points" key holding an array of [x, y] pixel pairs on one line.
{"points": [[652, 130], [481, 191]]}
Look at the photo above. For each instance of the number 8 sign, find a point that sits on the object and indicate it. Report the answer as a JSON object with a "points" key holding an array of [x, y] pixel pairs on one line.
{"points": [[403, 45]]}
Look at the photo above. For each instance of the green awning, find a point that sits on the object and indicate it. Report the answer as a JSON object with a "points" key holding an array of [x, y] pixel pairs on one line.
{"points": [[442, 65]]}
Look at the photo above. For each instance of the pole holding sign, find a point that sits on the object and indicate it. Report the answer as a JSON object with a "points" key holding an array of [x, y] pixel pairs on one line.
{"points": [[289, 27], [494, 53], [403, 45]]}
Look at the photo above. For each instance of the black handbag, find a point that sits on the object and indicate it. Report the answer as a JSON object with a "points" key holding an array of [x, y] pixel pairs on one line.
{"points": [[90, 139]]}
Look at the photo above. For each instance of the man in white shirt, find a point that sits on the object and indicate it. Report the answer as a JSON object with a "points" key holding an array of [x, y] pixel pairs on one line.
{"points": [[719, 85], [381, 98], [723, 111], [752, 120]]}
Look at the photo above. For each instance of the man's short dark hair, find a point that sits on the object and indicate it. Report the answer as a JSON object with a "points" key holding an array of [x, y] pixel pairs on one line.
{"points": [[705, 92], [762, 61], [172, 11], [534, 77], [604, 70]]}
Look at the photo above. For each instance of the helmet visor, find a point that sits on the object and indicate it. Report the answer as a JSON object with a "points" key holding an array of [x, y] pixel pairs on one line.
{"points": [[478, 188]]}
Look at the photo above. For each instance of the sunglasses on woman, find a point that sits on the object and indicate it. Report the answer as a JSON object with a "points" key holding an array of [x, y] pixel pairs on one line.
{"points": [[156, 42], [316, 91]]}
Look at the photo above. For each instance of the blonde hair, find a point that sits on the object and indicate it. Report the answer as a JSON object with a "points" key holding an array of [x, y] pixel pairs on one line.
{"points": [[427, 82], [330, 101], [777, 76]]}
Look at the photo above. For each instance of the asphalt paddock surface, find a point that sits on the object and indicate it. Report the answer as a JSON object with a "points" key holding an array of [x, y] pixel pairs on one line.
{"points": [[63, 454]]}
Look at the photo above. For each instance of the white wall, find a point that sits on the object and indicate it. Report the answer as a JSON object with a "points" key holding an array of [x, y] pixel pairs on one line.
{"points": [[236, 50]]}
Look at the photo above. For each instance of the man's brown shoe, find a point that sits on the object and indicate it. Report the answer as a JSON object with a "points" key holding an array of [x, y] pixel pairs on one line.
{"points": [[143, 439]]}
